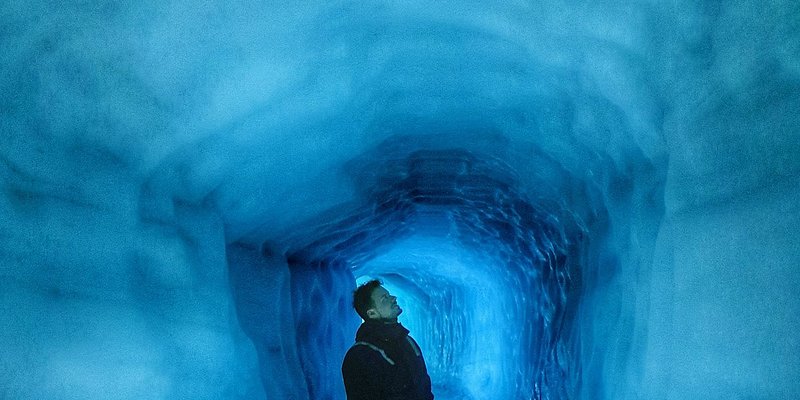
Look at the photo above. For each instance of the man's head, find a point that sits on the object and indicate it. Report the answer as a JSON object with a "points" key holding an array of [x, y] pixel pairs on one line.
{"points": [[373, 302]]}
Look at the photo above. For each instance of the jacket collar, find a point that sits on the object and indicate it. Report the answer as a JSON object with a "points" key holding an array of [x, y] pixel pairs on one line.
{"points": [[379, 331]]}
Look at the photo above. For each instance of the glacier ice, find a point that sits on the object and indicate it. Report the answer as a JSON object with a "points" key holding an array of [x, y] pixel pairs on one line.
{"points": [[571, 200]]}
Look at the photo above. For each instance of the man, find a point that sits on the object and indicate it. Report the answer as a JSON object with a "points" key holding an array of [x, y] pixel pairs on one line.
{"points": [[384, 363]]}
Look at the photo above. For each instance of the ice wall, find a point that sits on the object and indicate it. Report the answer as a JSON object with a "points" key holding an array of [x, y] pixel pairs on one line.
{"points": [[150, 150]]}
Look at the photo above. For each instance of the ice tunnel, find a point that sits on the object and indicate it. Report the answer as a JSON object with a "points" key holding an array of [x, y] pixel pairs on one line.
{"points": [[570, 200]]}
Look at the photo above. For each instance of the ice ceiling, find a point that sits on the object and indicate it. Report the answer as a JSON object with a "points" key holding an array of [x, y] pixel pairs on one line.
{"points": [[571, 200]]}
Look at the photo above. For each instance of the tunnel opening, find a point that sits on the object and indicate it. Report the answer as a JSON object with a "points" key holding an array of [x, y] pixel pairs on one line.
{"points": [[490, 278]]}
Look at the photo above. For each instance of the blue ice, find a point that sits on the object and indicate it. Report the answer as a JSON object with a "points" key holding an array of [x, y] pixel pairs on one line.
{"points": [[592, 200]]}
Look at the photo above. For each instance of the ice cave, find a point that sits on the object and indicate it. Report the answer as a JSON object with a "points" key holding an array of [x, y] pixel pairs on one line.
{"points": [[571, 200]]}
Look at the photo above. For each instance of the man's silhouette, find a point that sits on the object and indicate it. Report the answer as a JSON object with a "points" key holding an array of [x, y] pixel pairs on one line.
{"points": [[384, 363]]}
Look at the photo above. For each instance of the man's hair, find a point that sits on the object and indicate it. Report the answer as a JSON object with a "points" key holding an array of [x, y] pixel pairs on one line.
{"points": [[362, 297]]}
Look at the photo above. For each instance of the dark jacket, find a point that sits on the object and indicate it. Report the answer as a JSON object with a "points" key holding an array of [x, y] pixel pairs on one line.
{"points": [[385, 364]]}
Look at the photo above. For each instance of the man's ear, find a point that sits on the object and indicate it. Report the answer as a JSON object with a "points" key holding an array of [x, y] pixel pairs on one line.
{"points": [[372, 313]]}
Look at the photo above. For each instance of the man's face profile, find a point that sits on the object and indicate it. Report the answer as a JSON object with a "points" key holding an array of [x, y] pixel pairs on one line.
{"points": [[384, 305]]}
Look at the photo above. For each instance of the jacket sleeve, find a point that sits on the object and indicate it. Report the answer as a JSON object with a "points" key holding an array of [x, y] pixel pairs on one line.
{"points": [[425, 378], [358, 383]]}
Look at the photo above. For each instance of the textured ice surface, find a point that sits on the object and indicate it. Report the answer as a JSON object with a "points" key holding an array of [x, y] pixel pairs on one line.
{"points": [[572, 200], [486, 275]]}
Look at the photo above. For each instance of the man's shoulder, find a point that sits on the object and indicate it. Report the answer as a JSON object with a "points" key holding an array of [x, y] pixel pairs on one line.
{"points": [[363, 346], [363, 350]]}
